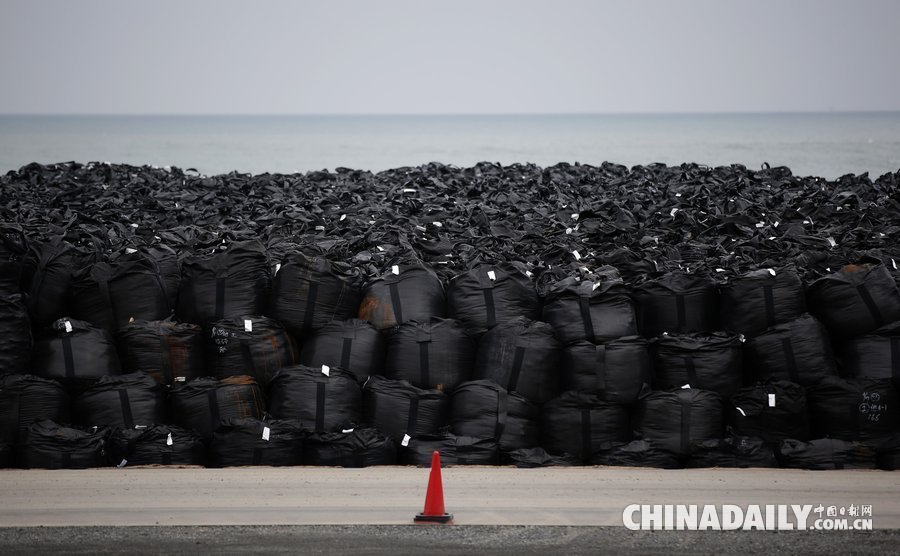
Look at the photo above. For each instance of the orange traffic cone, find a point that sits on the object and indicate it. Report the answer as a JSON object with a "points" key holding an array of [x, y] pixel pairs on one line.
{"points": [[434, 498]]}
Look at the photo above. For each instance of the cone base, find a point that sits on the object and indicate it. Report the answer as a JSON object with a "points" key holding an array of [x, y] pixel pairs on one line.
{"points": [[440, 518]]}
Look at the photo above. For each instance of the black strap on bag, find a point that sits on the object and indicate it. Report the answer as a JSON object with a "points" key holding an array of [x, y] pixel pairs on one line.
{"points": [[423, 338], [502, 402], [103, 284], [685, 426], [165, 363], [247, 356], [320, 405], [166, 458], [346, 350], [68, 358], [895, 358], [770, 306], [212, 397], [487, 289], [681, 312], [126, 408], [600, 366], [789, 359], [395, 302], [691, 369], [257, 455], [413, 417], [586, 434], [310, 310], [220, 298], [518, 359], [584, 303], [870, 303]]}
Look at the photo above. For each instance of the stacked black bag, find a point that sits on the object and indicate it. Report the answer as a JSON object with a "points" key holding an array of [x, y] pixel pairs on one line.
{"points": [[483, 409], [203, 404], [402, 411], [359, 447], [249, 345], [324, 399], [166, 350], [127, 401], [409, 292], [488, 295], [75, 353], [15, 329], [156, 445], [438, 353], [353, 345], [256, 442]]}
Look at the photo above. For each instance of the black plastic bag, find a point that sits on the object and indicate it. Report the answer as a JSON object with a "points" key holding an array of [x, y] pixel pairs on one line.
{"points": [[359, 447], [678, 420], [454, 450], [156, 445], [353, 344], [48, 445], [732, 451], [249, 345], [760, 299], [874, 355], [406, 293], [130, 400], [225, 284], [438, 353], [402, 411], [48, 288], [639, 453], [76, 353], [617, 370], [860, 409], [203, 404], [15, 329], [256, 442], [583, 425], [798, 351], [856, 300], [773, 411], [323, 399], [483, 409], [309, 292], [166, 350], [25, 399], [526, 458], [490, 294], [13, 254], [133, 287], [522, 356], [677, 303], [825, 453], [594, 311], [706, 361]]}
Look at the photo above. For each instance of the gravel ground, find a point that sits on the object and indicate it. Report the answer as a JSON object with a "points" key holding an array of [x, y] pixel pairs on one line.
{"points": [[430, 539]]}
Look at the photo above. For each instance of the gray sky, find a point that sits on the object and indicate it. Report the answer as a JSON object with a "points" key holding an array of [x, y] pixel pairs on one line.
{"points": [[459, 56]]}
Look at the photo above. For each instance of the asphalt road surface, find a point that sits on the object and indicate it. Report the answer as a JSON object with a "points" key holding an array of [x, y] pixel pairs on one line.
{"points": [[369, 511]]}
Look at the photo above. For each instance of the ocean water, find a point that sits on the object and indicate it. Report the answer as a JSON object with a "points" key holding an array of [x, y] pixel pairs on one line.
{"points": [[820, 144]]}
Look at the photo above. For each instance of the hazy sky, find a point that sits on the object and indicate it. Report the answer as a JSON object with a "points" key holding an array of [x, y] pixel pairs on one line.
{"points": [[448, 56]]}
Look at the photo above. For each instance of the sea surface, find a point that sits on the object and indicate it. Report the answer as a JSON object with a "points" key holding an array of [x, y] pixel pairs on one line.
{"points": [[811, 144]]}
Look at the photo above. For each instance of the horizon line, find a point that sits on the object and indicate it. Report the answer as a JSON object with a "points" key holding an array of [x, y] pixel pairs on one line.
{"points": [[438, 114]]}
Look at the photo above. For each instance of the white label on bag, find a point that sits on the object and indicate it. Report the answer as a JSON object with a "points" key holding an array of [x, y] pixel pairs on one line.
{"points": [[396, 270], [673, 212], [180, 379], [326, 370], [408, 190], [577, 255], [345, 431], [248, 325], [406, 439], [686, 387], [438, 224], [742, 411], [129, 250], [771, 271], [342, 218], [265, 435], [771, 400], [831, 242], [595, 286], [169, 440], [492, 275], [123, 463], [568, 231], [893, 262], [320, 228], [68, 327], [380, 248], [277, 267]]}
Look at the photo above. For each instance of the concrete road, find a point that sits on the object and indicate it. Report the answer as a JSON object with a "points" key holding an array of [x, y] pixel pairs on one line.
{"points": [[253, 496]]}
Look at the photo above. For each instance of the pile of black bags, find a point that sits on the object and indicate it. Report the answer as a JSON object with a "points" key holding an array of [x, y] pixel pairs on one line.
{"points": [[571, 315]]}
